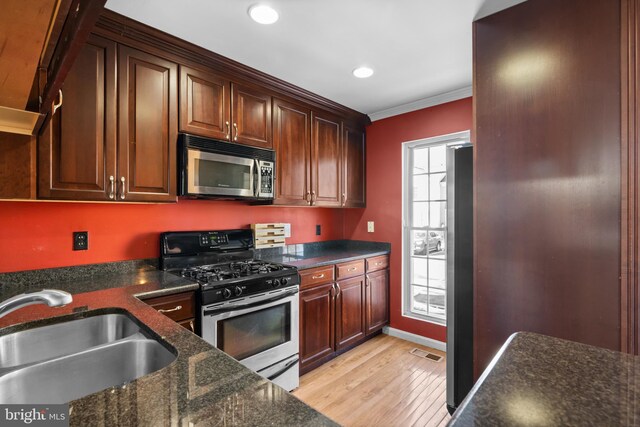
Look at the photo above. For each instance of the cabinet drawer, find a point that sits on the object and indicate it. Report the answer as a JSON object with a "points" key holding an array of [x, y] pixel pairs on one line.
{"points": [[189, 324], [378, 263], [178, 307], [316, 276], [350, 269]]}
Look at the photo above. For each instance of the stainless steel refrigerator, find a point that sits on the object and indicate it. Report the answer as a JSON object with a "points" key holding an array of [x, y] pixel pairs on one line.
{"points": [[459, 274]]}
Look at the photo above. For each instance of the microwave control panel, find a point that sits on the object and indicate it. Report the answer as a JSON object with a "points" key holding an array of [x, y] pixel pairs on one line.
{"points": [[266, 178]]}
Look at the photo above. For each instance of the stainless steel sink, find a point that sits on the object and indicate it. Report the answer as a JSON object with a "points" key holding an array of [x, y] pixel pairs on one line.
{"points": [[46, 342], [72, 377], [68, 360]]}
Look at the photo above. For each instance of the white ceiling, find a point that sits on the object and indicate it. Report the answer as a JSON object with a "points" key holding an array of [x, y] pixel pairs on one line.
{"points": [[419, 49]]}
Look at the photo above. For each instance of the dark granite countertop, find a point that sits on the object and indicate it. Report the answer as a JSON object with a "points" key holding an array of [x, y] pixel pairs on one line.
{"points": [[310, 255], [537, 380], [203, 386]]}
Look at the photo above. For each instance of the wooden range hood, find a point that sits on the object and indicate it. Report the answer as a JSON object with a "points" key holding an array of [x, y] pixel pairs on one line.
{"points": [[39, 41]]}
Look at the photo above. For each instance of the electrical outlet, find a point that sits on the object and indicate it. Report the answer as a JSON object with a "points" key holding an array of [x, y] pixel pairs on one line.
{"points": [[287, 231], [370, 227], [80, 240], [318, 230]]}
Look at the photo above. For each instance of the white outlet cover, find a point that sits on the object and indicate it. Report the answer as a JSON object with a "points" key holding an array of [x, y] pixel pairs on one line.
{"points": [[370, 226], [287, 230]]}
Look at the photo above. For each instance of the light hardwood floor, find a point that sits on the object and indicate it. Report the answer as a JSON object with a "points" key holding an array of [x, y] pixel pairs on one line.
{"points": [[379, 383]]}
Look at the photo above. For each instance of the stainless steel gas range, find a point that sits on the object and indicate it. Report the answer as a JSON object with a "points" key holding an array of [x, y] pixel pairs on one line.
{"points": [[249, 308]]}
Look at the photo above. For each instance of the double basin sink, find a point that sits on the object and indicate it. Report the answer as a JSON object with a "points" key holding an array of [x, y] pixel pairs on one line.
{"points": [[65, 361]]}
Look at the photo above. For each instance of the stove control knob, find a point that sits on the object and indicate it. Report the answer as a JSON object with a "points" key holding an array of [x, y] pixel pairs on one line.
{"points": [[284, 281], [276, 283], [226, 293], [238, 291]]}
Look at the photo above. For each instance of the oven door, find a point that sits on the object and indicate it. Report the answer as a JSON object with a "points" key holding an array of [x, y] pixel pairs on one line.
{"points": [[213, 174], [258, 331]]}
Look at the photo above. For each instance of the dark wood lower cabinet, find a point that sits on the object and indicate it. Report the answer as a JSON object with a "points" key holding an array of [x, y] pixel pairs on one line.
{"points": [[336, 316], [317, 319], [377, 300], [350, 312]]}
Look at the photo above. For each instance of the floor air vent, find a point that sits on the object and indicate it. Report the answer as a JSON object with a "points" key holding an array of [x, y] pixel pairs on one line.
{"points": [[426, 355]]}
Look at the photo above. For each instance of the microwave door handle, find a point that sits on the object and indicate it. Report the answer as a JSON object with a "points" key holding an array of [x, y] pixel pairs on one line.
{"points": [[227, 309], [256, 178]]}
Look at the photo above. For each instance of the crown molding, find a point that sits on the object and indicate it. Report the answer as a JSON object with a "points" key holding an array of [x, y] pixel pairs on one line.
{"points": [[431, 101]]}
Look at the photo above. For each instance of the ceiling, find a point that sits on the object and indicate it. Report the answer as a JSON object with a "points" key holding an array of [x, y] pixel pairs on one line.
{"points": [[420, 49]]}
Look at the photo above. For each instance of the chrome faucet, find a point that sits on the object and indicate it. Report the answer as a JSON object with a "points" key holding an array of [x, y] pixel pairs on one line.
{"points": [[51, 297]]}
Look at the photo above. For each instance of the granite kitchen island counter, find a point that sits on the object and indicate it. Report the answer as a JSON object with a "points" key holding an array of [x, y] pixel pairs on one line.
{"points": [[202, 387], [537, 380]]}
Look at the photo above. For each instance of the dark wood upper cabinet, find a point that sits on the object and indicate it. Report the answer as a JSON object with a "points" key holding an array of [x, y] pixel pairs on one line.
{"points": [[325, 160], [377, 300], [317, 325], [77, 148], [353, 167], [291, 141], [350, 307], [148, 126], [205, 104], [251, 113]]}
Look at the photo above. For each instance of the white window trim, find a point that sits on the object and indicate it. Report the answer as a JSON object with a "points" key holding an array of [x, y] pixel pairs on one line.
{"points": [[463, 137]]}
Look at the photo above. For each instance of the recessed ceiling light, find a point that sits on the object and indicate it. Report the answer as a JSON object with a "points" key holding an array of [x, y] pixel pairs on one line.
{"points": [[363, 72], [263, 14]]}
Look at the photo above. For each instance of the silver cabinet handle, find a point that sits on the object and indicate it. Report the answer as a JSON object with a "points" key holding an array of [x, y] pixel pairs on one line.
{"points": [[228, 130], [112, 187], [339, 290], [352, 269], [122, 195], [320, 276], [59, 104], [307, 198], [193, 329], [313, 195], [344, 199], [235, 128], [169, 310]]}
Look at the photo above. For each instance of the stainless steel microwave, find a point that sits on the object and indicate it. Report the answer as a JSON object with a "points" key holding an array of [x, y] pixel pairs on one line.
{"points": [[214, 169]]}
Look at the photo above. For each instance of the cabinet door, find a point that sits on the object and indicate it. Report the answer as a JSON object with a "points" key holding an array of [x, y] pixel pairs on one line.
{"points": [[353, 171], [377, 300], [251, 113], [148, 127], [205, 107], [325, 160], [317, 306], [77, 150], [350, 312], [291, 140]]}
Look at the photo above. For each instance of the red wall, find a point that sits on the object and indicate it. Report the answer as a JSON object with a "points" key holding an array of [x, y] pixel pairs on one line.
{"points": [[39, 234], [384, 191]]}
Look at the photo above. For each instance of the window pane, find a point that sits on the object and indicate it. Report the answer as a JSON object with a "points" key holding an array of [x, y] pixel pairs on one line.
{"points": [[420, 299], [420, 187], [438, 159], [419, 242], [421, 214], [420, 160], [419, 271], [437, 303], [437, 271], [438, 186], [436, 244], [438, 214]]}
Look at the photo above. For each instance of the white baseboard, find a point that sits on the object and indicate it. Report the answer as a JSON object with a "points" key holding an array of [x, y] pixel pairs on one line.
{"points": [[418, 339]]}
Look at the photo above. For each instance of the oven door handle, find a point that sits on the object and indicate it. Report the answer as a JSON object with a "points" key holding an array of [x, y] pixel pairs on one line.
{"points": [[253, 304], [283, 370]]}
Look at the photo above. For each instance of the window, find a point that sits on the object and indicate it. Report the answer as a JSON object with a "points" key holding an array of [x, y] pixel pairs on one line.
{"points": [[425, 226]]}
